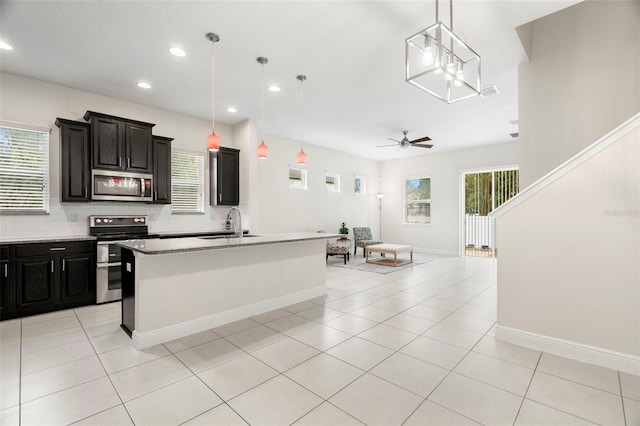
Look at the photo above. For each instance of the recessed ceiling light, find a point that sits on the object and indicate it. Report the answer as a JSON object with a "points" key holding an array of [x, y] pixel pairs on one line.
{"points": [[144, 85], [232, 109], [177, 52], [274, 88], [5, 46]]}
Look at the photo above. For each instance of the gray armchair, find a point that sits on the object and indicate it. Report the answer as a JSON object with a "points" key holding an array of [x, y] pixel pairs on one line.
{"points": [[363, 238]]}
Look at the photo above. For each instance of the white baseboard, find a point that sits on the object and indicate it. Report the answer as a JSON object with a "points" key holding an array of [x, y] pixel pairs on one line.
{"points": [[155, 337], [421, 250], [578, 351]]}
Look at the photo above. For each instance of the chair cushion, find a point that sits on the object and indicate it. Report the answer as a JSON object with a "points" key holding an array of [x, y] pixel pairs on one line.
{"points": [[364, 243]]}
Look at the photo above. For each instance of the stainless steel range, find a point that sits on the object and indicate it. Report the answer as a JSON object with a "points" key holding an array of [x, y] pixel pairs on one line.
{"points": [[109, 230]]}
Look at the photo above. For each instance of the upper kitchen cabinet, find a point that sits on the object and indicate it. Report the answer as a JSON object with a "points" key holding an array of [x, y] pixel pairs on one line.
{"points": [[75, 160], [120, 144], [224, 168], [162, 170]]}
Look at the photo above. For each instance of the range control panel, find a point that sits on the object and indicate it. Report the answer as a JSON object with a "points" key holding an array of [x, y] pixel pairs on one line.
{"points": [[104, 220]]}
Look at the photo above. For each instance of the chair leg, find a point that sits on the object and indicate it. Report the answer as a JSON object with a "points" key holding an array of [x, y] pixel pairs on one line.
{"points": [[355, 249], [327, 258], [345, 258]]}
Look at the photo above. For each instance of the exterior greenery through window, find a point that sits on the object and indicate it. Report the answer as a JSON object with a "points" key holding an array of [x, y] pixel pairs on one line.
{"points": [[297, 178], [187, 182], [24, 170], [359, 185], [417, 200]]}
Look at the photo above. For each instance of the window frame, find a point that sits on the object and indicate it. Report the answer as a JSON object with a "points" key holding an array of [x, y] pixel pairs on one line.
{"points": [[45, 201], [199, 157], [304, 181], [405, 201], [336, 181], [363, 184]]}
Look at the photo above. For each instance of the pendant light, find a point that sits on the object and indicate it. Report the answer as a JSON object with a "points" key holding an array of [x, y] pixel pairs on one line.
{"points": [[302, 156], [441, 63], [213, 140], [263, 149]]}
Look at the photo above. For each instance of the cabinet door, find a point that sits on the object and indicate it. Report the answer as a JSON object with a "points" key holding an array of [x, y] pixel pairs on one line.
{"points": [[139, 147], [107, 136], [36, 284], [162, 170], [78, 279], [74, 160], [7, 298], [228, 177]]}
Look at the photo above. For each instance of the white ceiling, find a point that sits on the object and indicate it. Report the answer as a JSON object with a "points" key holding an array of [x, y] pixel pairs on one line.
{"points": [[351, 51]]}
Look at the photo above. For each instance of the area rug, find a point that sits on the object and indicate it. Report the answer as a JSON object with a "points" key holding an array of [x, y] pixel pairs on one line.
{"points": [[360, 264]]}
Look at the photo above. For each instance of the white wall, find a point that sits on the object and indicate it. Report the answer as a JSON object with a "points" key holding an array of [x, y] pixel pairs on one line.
{"points": [[583, 80], [443, 234], [569, 256], [284, 210]]}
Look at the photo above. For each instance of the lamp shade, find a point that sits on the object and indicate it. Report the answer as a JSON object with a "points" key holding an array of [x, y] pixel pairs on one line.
{"points": [[263, 151], [213, 142], [302, 157]]}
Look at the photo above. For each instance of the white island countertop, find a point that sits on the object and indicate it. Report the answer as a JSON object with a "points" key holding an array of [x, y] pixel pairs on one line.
{"points": [[181, 245]]}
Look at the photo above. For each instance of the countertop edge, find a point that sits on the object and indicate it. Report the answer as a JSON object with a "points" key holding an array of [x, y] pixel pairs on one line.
{"points": [[185, 245]]}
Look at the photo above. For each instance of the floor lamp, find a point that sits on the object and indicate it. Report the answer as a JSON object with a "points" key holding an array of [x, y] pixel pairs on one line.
{"points": [[380, 197]]}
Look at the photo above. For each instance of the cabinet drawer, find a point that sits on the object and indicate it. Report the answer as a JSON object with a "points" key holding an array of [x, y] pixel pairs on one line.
{"points": [[39, 249]]}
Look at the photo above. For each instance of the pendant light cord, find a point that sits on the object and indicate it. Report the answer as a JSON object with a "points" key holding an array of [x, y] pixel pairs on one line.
{"points": [[213, 84], [262, 96]]}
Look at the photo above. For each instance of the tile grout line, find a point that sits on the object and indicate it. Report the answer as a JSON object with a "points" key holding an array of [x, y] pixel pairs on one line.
{"points": [[624, 413], [524, 397]]}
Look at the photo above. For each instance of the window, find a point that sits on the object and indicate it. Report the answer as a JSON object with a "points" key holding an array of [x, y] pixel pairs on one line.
{"points": [[24, 170], [417, 200], [187, 182], [359, 185], [332, 182], [297, 178]]}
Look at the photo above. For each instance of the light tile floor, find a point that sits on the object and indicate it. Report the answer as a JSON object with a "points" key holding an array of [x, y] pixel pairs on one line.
{"points": [[413, 347]]}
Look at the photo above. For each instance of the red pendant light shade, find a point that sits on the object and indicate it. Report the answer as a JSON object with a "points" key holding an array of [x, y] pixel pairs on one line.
{"points": [[213, 142], [263, 151], [302, 157]]}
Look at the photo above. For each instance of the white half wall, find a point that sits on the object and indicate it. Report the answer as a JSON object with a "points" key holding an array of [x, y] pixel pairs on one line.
{"points": [[583, 80], [569, 257], [443, 234]]}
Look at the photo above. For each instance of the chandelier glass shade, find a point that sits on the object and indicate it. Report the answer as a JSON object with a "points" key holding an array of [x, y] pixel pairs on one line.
{"points": [[441, 63]]}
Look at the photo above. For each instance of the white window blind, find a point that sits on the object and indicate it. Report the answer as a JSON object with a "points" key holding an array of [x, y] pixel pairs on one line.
{"points": [[24, 170], [187, 182]]}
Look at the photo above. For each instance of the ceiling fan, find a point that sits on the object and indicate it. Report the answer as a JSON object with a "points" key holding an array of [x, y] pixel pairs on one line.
{"points": [[406, 143]]}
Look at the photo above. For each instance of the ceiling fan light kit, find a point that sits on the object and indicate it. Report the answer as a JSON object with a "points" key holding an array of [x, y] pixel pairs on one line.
{"points": [[441, 63]]}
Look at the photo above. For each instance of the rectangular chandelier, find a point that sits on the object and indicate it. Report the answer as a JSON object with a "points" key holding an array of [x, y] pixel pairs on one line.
{"points": [[440, 63]]}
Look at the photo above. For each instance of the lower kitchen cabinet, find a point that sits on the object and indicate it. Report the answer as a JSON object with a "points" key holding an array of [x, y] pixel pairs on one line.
{"points": [[56, 276], [7, 285]]}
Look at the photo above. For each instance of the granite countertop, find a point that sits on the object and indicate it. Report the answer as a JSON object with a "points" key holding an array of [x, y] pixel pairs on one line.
{"points": [[28, 240], [186, 234], [181, 245]]}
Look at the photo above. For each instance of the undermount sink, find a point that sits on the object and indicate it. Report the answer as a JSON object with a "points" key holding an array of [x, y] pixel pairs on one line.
{"points": [[217, 237]]}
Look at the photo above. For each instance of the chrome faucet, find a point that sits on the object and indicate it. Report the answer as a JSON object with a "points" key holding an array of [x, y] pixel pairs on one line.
{"points": [[237, 229]]}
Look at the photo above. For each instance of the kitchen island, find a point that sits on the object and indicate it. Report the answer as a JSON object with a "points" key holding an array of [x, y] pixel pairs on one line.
{"points": [[173, 288]]}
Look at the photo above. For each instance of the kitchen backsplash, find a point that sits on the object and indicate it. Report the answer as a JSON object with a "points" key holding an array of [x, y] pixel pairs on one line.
{"points": [[71, 219]]}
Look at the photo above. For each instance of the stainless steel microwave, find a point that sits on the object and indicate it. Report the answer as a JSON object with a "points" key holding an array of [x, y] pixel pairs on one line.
{"points": [[111, 185]]}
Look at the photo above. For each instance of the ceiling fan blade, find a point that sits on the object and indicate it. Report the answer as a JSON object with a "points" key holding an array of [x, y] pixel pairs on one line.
{"points": [[425, 139], [382, 146], [395, 140], [422, 146]]}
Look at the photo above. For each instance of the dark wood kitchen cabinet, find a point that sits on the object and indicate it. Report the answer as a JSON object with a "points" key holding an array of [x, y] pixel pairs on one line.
{"points": [[75, 160], [7, 284], [162, 170], [120, 143], [53, 276], [224, 168]]}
